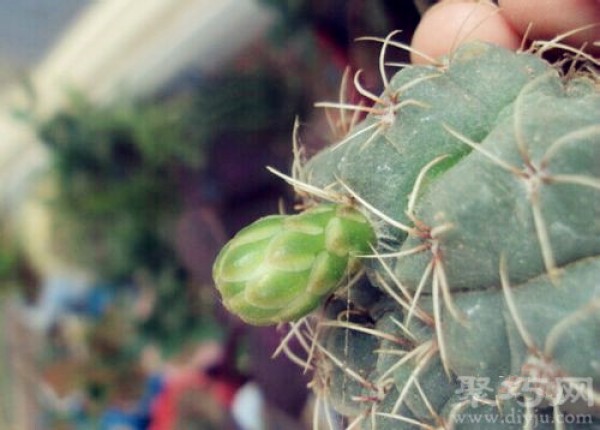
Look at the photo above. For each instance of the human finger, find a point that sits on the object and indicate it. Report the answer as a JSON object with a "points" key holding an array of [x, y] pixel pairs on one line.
{"points": [[547, 19], [450, 23]]}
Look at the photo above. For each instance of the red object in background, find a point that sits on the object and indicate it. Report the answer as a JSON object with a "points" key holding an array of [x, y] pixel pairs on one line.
{"points": [[183, 389]]}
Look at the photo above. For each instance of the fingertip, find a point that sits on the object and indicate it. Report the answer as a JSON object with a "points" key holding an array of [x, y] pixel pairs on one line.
{"points": [[546, 19], [449, 24]]}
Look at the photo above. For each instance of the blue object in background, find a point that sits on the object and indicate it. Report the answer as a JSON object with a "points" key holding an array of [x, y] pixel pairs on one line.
{"points": [[139, 417], [94, 303], [58, 294], [154, 386], [114, 419]]}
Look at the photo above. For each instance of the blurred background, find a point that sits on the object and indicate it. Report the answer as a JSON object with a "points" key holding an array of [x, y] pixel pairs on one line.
{"points": [[134, 137]]}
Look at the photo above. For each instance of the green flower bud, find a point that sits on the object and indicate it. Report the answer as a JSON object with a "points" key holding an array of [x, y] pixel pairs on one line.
{"points": [[280, 267]]}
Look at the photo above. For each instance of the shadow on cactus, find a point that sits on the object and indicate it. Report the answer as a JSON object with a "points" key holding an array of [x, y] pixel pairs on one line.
{"points": [[480, 301]]}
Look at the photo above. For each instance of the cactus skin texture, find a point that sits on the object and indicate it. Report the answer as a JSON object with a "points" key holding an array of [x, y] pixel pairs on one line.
{"points": [[481, 177], [282, 266]]}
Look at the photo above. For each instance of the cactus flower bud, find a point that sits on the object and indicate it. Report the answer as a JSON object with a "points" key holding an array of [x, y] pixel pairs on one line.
{"points": [[280, 267]]}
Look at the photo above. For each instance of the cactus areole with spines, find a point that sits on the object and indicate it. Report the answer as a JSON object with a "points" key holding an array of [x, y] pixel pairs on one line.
{"points": [[461, 287]]}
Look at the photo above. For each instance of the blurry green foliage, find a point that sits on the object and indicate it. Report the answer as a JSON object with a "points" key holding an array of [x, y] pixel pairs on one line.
{"points": [[15, 273], [119, 167], [8, 259], [114, 189]]}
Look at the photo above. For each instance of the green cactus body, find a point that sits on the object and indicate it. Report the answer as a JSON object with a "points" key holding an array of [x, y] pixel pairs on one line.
{"points": [[280, 268], [483, 306], [495, 282]]}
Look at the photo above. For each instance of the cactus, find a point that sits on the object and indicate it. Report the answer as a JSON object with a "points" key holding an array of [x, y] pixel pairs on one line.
{"points": [[480, 301]]}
